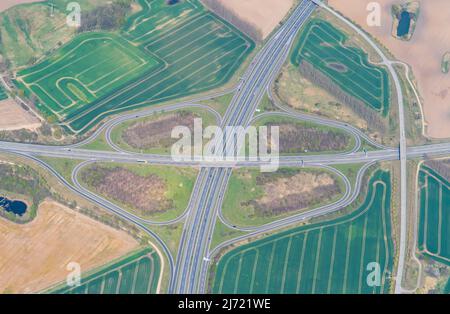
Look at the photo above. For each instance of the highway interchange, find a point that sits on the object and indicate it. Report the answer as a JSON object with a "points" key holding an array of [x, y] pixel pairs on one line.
{"points": [[189, 270]]}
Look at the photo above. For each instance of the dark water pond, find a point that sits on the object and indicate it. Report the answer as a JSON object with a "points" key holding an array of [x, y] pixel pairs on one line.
{"points": [[15, 207], [404, 24]]}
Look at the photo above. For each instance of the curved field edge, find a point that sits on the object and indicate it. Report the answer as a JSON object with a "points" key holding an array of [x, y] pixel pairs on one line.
{"points": [[434, 216], [179, 186], [104, 279], [118, 132], [348, 84], [328, 257]]}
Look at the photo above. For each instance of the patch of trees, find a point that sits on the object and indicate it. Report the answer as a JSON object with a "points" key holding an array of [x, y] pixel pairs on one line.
{"points": [[374, 121], [229, 15], [107, 17]]}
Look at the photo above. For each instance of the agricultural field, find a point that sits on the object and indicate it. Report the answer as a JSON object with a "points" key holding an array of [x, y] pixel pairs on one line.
{"points": [[302, 137], [255, 198], [327, 257], [324, 47], [152, 45], [137, 273], [433, 234], [151, 192], [3, 94]]}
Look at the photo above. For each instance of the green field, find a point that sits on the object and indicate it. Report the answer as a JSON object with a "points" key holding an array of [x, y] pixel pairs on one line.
{"points": [[328, 257], [324, 46], [3, 94], [433, 235], [161, 53], [135, 274], [177, 185]]}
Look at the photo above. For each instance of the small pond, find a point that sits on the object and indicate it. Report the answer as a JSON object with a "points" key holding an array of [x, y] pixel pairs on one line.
{"points": [[12, 206]]}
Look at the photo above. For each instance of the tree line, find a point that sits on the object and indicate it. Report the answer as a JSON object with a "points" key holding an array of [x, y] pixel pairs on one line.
{"points": [[229, 15]]}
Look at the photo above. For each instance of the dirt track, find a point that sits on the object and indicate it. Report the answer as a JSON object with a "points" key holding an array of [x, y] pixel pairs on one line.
{"points": [[424, 53], [34, 256]]}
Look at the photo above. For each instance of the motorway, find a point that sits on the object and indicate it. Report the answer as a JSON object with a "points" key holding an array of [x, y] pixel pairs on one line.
{"points": [[189, 270]]}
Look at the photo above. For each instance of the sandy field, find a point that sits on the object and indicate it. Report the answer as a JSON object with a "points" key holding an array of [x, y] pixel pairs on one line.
{"points": [[14, 117], [424, 53], [264, 14], [6, 4], [34, 256]]}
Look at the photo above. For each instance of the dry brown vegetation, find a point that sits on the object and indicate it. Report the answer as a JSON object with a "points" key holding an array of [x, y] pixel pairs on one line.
{"points": [[145, 193], [35, 256], [441, 166], [293, 191], [423, 52], [6, 4], [296, 138], [293, 90], [257, 18], [157, 133]]}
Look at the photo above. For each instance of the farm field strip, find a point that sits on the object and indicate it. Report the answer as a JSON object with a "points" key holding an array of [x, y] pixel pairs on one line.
{"points": [[63, 86], [170, 50], [328, 257], [434, 219], [323, 46], [135, 274]]}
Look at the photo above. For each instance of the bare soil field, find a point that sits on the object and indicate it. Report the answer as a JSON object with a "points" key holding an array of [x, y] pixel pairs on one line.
{"points": [[263, 15], [295, 138], [423, 52], [6, 4], [35, 255], [14, 117]]}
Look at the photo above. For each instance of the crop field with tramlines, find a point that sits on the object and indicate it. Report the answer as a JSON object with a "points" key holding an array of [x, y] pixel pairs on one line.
{"points": [[434, 223], [136, 274], [161, 53], [324, 47], [328, 257], [3, 94]]}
